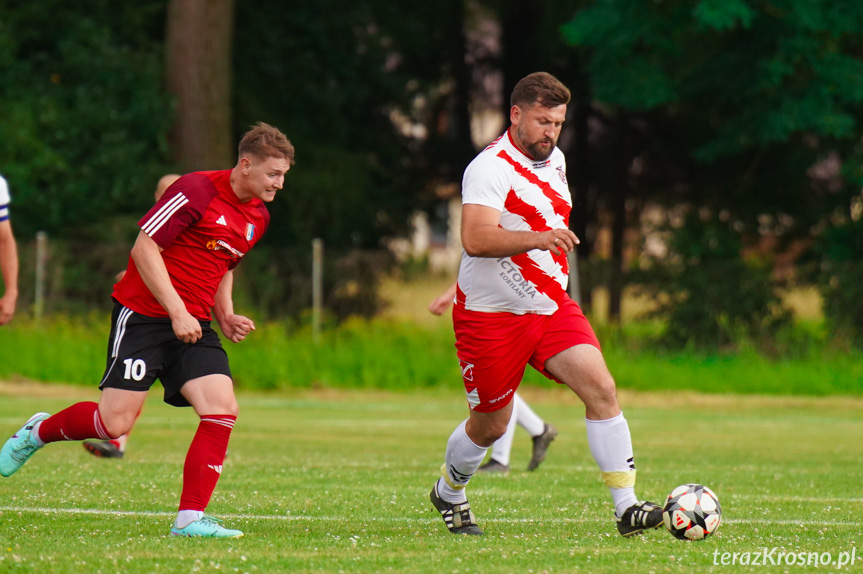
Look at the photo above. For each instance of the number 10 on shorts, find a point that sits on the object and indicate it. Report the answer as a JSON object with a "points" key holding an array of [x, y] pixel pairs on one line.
{"points": [[135, 369]]}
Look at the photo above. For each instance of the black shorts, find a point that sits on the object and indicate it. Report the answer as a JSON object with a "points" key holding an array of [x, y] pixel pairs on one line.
{"points": [[142, 349]]}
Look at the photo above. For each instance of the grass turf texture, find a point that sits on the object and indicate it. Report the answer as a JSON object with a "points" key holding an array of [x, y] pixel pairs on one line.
{"points": [[328, 482], [397, 355]]}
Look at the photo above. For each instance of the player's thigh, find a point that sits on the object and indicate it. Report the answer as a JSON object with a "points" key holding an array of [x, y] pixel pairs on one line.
{"points": [[211, 395], [206, 360]]}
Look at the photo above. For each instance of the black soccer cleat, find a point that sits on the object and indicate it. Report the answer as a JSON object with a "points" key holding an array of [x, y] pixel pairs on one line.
{"points": [[102, 448], [639, 517], [540, 446], [458, 517], [494, 466]]}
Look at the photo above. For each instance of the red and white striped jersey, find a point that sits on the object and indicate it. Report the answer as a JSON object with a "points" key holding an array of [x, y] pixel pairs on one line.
{"points": [[531, 196], [204, 230]]}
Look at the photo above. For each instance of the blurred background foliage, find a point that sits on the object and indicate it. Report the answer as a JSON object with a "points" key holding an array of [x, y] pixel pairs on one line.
{"points": [[743, 116]]}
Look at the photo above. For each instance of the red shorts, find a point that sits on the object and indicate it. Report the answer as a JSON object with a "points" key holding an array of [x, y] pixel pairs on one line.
{"points": [[494, 348]]}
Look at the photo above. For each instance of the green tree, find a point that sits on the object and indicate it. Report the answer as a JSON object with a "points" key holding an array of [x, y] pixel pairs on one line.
{"points": [[373, 95], [745, 106], [707, 294], [83, 112], [839, 277]]}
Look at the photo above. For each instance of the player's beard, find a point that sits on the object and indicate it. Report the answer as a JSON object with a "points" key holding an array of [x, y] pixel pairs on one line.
{"points": [[533, 149]]}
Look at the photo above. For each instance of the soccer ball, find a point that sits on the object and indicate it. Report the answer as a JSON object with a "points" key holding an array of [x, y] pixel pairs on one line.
{"points": [[691, 512]]}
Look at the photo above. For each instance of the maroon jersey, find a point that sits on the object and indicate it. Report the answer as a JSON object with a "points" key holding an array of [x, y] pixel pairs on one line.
{"points": [[204, 230]]}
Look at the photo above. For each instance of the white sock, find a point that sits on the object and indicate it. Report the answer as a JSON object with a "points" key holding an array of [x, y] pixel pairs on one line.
{"points": [[502, 446], [526, 418], [186, 517], [34, 435], [611, 447], [463, 457]]}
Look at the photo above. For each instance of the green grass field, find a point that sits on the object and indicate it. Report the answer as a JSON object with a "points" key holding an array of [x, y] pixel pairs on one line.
{"points": [[338, 482], [385, 354]]}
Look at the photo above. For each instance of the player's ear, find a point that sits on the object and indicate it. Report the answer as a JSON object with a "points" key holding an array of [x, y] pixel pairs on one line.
{"points": [[514, 115], [245, 165]]}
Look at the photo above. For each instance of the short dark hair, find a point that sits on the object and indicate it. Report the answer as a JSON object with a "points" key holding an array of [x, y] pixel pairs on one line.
{"points": [[540, 87], [264, 140]]}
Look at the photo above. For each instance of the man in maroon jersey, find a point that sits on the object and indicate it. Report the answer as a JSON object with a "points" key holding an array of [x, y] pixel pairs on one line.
{"points": [[180, 267]]}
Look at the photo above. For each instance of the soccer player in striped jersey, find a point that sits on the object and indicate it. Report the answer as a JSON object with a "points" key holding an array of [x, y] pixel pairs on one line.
{"points": [[8, 258], [180, 267], [511, 308]]}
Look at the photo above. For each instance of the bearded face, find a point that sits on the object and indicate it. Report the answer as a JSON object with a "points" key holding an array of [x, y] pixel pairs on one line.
{"points": [[538, 149], [537, 128]]}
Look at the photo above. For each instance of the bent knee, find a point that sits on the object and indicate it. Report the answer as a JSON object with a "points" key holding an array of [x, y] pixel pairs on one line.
{"points": [[485, 434], [491, 433], [117, 427], [606, 390], [228, 407], [233, 409]]}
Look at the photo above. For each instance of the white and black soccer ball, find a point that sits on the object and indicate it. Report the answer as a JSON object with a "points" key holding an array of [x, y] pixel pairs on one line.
{"points": [[691, 512]]}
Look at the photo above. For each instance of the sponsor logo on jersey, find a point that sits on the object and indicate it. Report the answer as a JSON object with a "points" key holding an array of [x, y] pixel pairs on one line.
{"points": [[219, 244], [561, 173], [542, 164], [250, 231], [510, 274], [221, 220]]}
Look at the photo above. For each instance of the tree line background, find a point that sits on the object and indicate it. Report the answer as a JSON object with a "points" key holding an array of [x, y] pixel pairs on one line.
{"points": [[739, 119]]}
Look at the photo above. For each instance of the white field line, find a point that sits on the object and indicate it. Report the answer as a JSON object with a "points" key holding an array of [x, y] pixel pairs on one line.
{"points": [[403, 519]]}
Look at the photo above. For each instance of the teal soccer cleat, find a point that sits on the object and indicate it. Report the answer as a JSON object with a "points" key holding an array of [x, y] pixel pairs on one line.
{"points": [[206, 527], [20, 447]]}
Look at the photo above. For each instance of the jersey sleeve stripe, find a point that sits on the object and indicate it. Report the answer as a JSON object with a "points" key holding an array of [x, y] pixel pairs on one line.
{"points": [[159, 218]]}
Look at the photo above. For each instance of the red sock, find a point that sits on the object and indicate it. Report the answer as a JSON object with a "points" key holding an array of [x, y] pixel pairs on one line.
{"points": [[204, 461], [80, 421]]}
